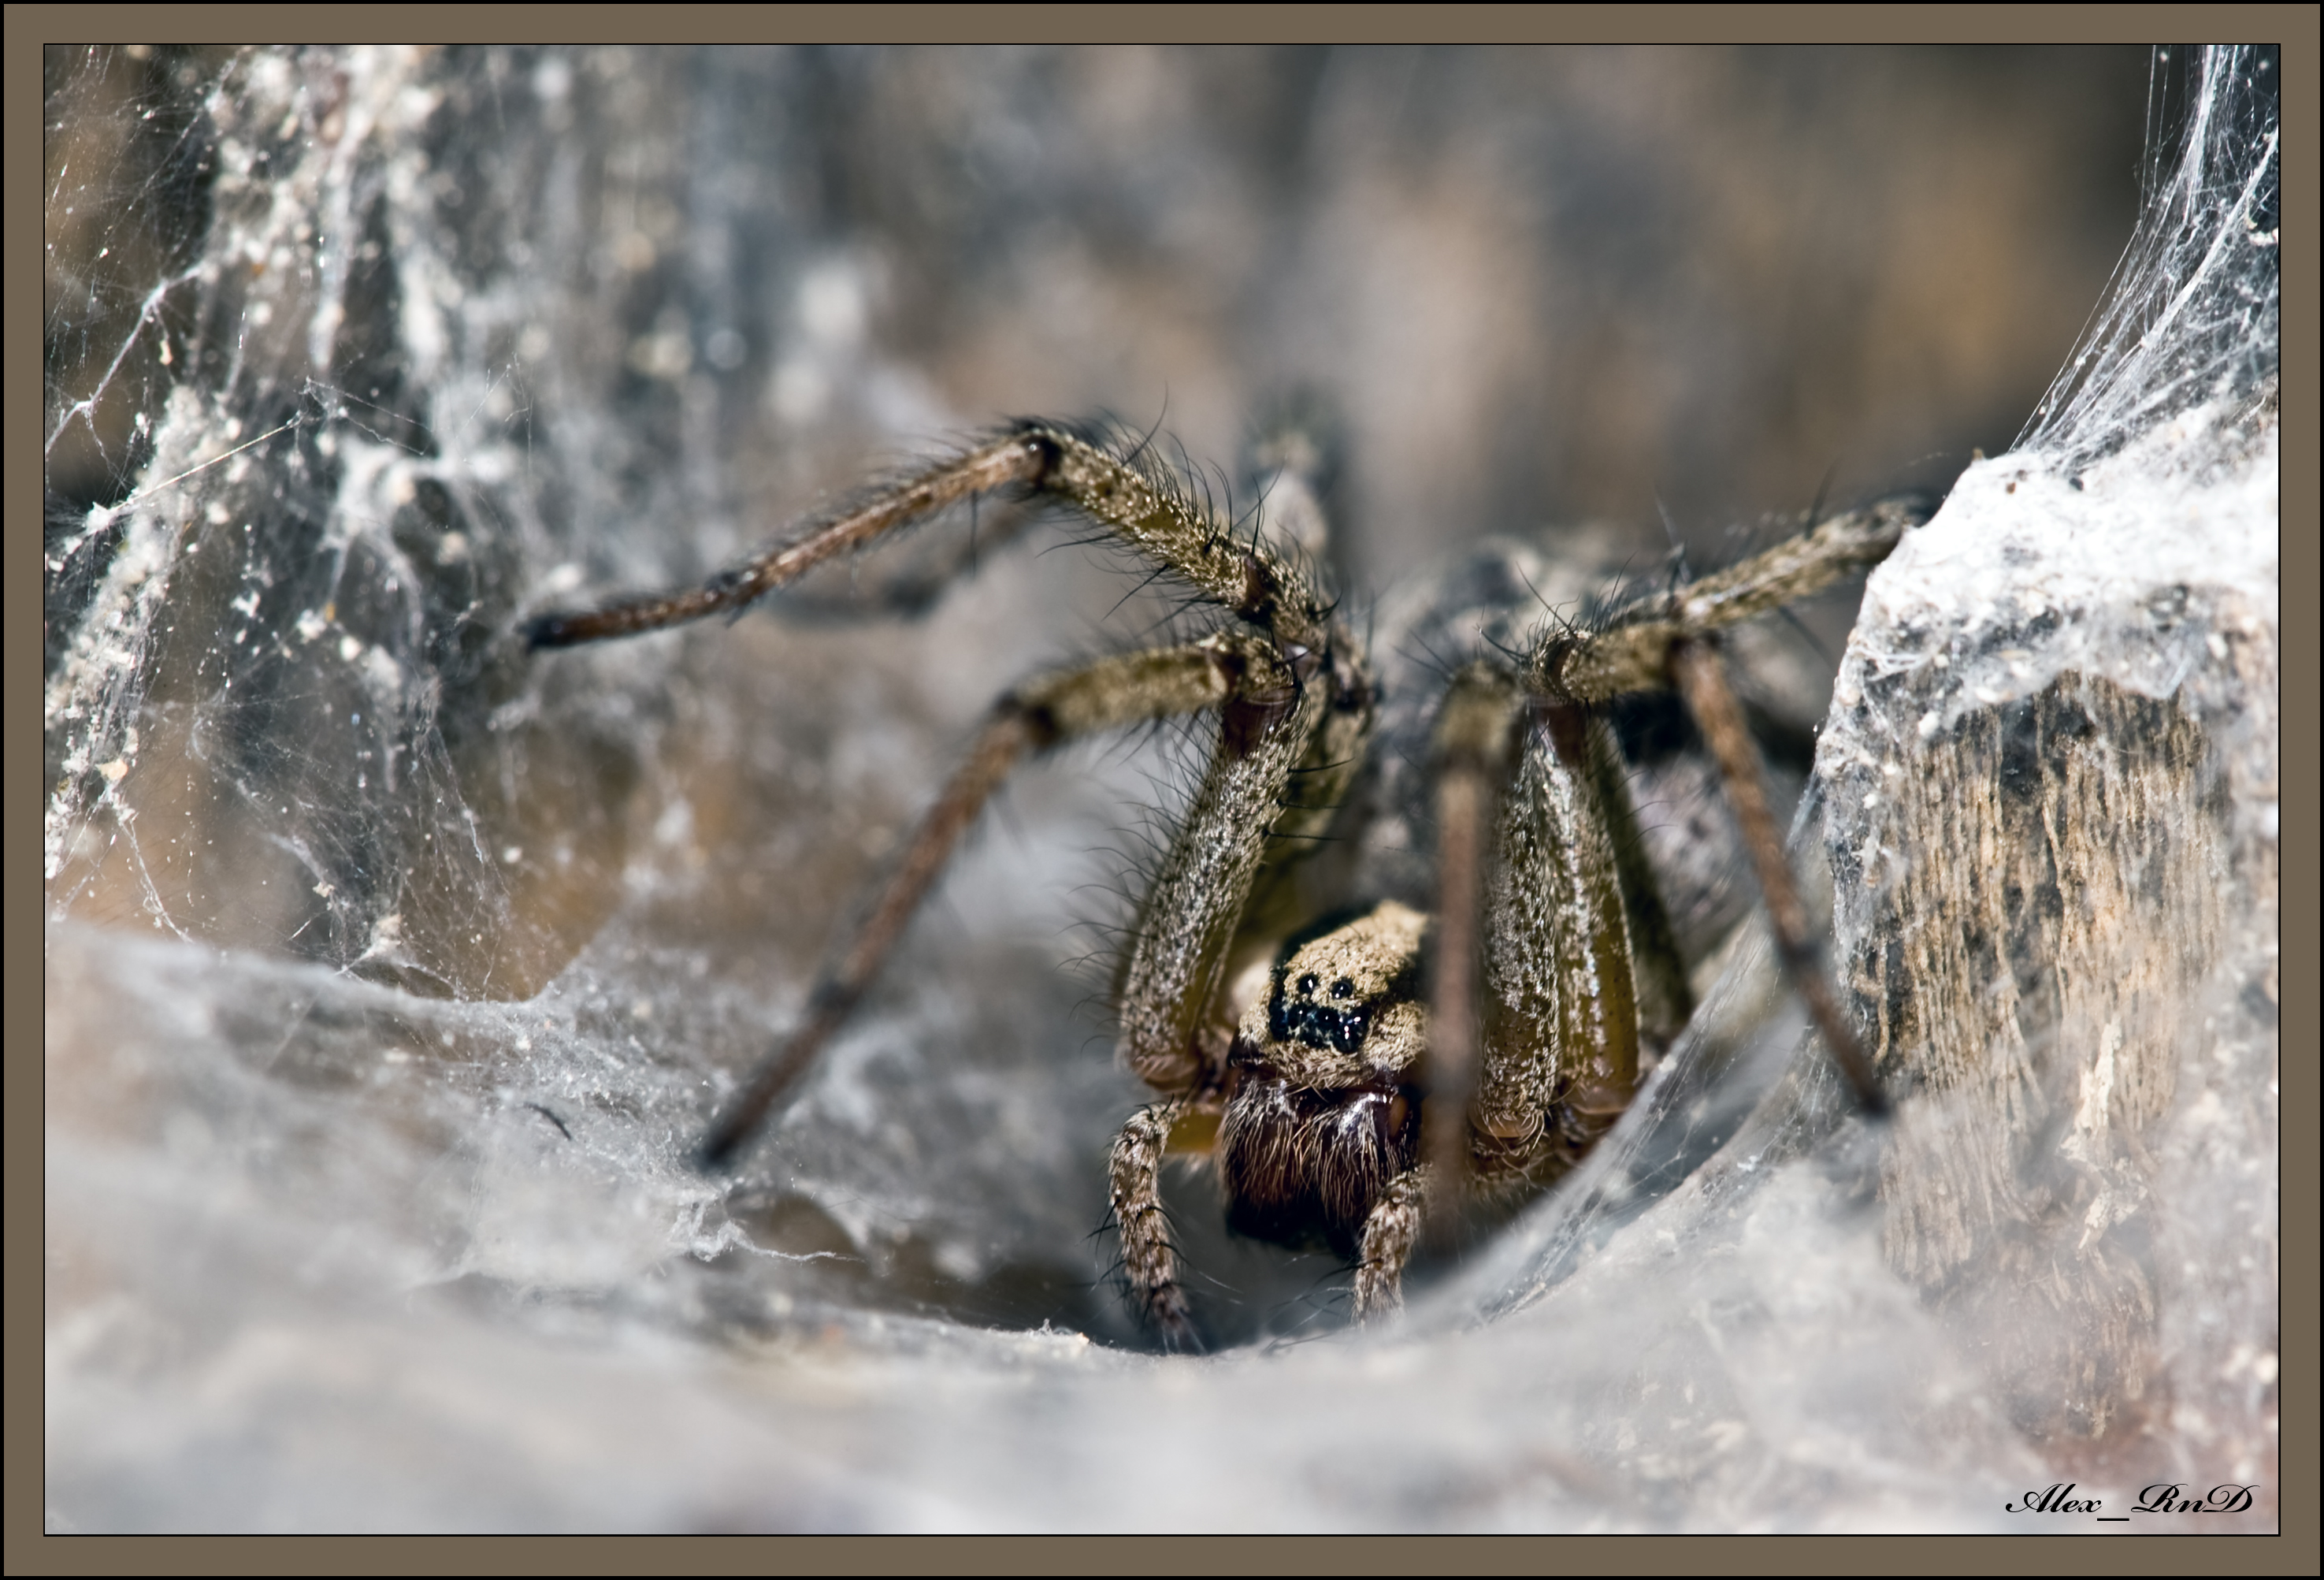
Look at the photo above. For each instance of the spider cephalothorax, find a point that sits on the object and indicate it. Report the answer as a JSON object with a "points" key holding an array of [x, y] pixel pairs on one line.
{"points": [[1355, 1079], [1322, 1093]]}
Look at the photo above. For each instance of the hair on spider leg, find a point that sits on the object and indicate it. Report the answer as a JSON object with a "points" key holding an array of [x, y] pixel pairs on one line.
{"points": [[1678, 575], [1815, 642], [1398, 1065], [1248, 1291], [1308, 1314]]}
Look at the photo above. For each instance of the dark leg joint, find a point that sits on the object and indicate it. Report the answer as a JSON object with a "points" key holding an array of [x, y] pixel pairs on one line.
{"points": [[1259, 591], [1044, 445], [1247, 719]]}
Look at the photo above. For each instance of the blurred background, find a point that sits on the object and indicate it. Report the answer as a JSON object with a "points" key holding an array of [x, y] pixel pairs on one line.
{"points": [[448, 336], [1541, 285], [356, 358]]}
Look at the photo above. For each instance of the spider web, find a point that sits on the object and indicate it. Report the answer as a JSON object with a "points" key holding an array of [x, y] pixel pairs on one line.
{"points": [[2190, 317], [287, 604], [310, 687]]}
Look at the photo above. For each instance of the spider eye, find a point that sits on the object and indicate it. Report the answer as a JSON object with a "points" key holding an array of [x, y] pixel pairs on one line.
{"points": [[1307, 982], [1343, 989]]}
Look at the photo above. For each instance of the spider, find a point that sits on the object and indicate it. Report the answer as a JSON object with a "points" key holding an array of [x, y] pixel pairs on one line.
{"points": [[1369, 1076]]}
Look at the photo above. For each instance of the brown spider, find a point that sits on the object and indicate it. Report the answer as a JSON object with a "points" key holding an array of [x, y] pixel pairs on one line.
{"points": [[1358, 1077]]}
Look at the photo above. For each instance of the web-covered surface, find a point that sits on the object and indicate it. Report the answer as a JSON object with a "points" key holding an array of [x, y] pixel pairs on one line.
{"points": [[2191, 315], [392, 973]]}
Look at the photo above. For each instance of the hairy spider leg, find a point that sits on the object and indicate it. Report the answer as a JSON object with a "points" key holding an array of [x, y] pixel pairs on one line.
{"points": [[1112, 693], [1557, 972], [1665, 999], [1248, 578], [1634, 654], [1391, 1230], [1297, 707], [1554, 953], [1701, 674], [1533, 1047], [995, 465], [1150, 1261], [993, 524], [1475, 739], [1670, 643], [1199, 913]]}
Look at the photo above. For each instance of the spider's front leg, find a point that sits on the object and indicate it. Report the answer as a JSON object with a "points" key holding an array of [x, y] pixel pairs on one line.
{"points": [[1301, 723], [1172, 1034]]}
